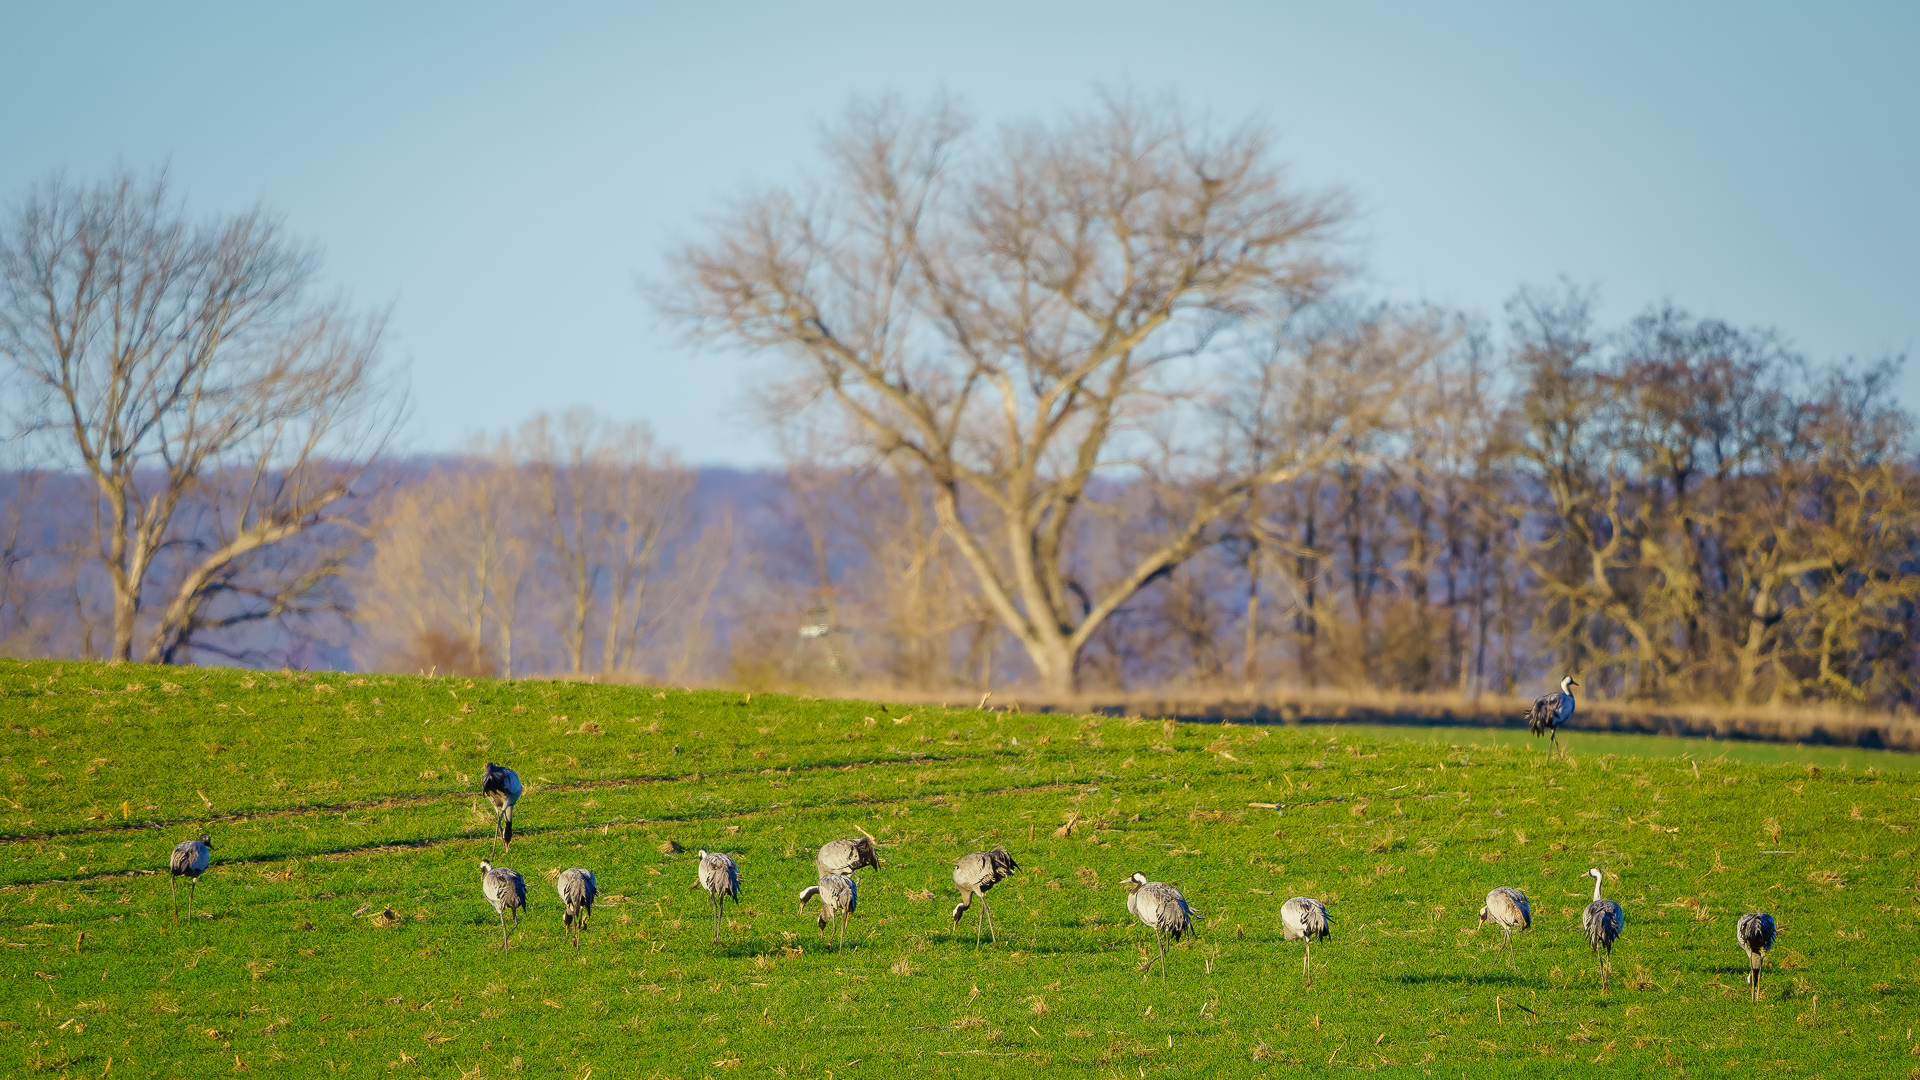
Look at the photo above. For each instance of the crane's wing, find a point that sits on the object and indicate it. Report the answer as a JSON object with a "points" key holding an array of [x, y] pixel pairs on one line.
{"points": [[1545, 711]]}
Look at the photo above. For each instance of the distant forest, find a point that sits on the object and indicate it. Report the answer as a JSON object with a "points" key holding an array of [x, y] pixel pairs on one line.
{"points": [[1090, 406], [1666, 518]]}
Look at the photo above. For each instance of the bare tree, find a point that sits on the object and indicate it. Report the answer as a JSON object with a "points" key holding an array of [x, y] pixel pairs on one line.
{"points": [[1325, 401], [21, 489], [546, 550], [451, 561], [1026, 318], [173, 361], [612, 505]]}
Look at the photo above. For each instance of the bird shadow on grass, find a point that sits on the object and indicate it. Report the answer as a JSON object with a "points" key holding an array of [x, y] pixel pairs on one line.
{"points": [[1501, 978], [738, 950]]}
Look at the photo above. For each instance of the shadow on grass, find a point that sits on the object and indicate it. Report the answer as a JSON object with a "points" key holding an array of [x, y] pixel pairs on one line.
{"points": [[1501, 978]]}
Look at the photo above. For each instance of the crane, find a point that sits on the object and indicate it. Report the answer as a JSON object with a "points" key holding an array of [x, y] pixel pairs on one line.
{"points": [[1551, 712], [1303, 919], [506, 890], [1507, 908], [844, 857], [190, 858], [1603, 921], [976, 873], [839, 897], [577, 891], [501, 786], [1161, 908], [719, 875], [1755, 934]]}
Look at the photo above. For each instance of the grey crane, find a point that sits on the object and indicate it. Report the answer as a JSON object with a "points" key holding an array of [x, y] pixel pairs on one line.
{"points": [[1755, 934], [506, 890], [577, 892], [190, 857], [839, 897], [720, 877], [973, 875], [844, 857], [1551, 712], [1303, 919], [1161, 908], [1603, 921], [501, 786], [1507, 908]]}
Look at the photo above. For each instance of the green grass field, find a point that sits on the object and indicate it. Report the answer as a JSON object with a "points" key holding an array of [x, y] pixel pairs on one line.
{"points": [[342, 928]]}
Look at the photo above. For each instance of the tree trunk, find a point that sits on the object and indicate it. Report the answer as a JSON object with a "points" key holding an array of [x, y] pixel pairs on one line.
{"points": [[1057, 665], [126, 608]]}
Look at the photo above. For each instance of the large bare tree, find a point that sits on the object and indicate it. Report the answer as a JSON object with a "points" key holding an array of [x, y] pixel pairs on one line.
{"points": [[186, 363], [1033, 318]]}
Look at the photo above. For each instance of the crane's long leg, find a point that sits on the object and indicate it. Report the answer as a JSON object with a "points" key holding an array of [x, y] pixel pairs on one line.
{"points": [[176, 901], [1510, 960], [1306, 966], [979, 922], [503, 930], [991, 936], [192, 883], [1161, 937]]}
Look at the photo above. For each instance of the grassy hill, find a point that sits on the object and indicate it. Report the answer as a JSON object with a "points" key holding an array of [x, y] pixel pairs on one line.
{"points": [[342, 927]]}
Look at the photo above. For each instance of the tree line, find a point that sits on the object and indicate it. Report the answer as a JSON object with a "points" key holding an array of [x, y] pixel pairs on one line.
{"points": [[1086, 404]]}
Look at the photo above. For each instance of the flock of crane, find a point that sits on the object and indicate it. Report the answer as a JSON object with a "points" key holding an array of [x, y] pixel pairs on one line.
{"points": [[1158, 906]]}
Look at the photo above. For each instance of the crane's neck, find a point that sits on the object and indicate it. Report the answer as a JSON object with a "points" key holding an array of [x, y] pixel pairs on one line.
{"points": [[1596, 886], [1566, 686]]}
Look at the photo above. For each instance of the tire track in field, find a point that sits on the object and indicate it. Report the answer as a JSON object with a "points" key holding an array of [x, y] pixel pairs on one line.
{"points": [[351, 851], [78, 834]]}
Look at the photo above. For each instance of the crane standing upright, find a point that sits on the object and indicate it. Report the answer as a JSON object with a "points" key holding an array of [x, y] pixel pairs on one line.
{"points": [[1551, 712], [1755, 934], [719, 876], [1603, 920], [1161, 908]]}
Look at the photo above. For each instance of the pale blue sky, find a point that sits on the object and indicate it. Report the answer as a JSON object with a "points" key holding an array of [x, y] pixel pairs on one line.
{"points": [[501, 173]]}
